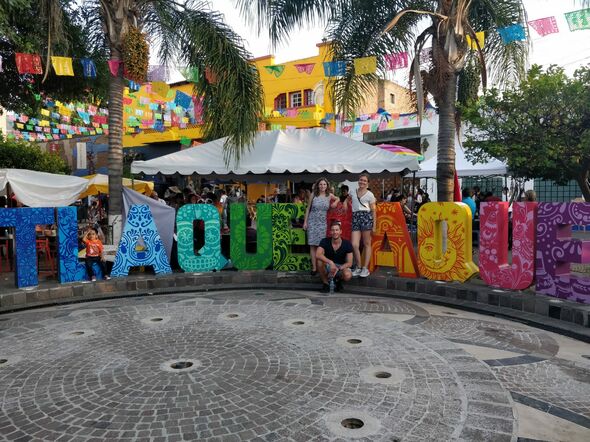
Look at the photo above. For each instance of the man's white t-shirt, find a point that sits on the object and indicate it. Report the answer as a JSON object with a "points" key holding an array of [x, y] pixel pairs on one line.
{"points": [[364, 205]]}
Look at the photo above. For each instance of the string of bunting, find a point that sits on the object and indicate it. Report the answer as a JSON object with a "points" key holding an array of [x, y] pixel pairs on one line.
{"points": [[32, 63]]}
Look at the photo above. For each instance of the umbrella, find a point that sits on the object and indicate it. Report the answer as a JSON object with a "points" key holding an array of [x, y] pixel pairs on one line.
{"points": [[400, 150], [100, 184]]}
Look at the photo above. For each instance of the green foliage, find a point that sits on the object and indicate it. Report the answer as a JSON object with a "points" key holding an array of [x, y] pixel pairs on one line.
{"points": [[24, 155], [541, 128]]}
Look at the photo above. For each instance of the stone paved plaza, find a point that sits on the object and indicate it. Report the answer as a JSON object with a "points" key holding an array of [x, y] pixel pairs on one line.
{"points": [[285, 365]]}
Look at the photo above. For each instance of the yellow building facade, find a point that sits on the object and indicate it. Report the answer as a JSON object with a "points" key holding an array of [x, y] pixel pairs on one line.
{"points": [[297, 94]]}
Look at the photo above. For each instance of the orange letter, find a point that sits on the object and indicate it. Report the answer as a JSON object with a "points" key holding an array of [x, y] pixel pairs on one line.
{"points": [[391, 223]]}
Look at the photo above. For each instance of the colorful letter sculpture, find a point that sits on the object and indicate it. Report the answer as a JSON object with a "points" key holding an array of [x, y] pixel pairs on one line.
{"points": [[263, 256], [556, 249], [284, 236], [494, 268], [140, 224], [209, 257], [456, 263], [24, 221], [70, 269], [391, 224]]}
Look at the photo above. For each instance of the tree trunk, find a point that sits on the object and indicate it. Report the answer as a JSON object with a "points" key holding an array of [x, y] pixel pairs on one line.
{"points": [[116, 152], [582, 180], [445, 168]]}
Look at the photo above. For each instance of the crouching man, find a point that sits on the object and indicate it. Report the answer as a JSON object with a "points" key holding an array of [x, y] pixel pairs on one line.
{"points": [[334, 258]]}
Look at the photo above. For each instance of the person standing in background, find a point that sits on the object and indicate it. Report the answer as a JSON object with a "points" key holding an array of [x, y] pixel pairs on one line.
{"points": [[364, 222]]}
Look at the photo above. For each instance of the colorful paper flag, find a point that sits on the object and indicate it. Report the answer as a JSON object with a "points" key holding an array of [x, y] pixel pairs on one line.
{"points": [[191, 74], [28, 63], [365, 65], [114, 66], [512, 33], [577, 20], [183, 100], [480, 37], [160, 88], [88, 68], [62, 66], [305, 67], [158, 72], [334, 68], [545, 26], [1, 68], [276, 70], [398, 60]]}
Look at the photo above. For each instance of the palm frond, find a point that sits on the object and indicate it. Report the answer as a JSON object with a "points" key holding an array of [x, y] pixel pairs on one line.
{"points": [[355, 31], [283, 16], [198, 37], [506, 63]]}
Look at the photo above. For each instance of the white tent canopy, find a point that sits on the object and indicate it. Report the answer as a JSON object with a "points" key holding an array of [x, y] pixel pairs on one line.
{"points": [[463, 166], [41, 189], [293, 152]]}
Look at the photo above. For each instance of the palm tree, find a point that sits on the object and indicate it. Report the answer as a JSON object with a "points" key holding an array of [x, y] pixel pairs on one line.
{"points": [[185, 33], [359, 28]]}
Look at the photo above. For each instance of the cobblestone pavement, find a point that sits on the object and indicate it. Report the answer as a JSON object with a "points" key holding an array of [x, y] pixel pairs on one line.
{"points": [[285, 365]]}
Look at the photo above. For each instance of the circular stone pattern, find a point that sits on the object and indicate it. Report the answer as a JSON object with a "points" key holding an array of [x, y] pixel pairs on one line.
{"points": [[250, 376]]}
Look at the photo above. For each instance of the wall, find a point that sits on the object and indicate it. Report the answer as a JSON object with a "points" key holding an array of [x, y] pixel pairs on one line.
{"points": [[380, 98]]}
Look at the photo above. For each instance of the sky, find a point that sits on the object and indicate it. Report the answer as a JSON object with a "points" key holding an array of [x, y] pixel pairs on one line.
{"points": [[567, 49]]}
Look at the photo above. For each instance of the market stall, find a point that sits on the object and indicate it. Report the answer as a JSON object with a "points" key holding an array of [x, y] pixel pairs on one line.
{"points": [[99, 183]]}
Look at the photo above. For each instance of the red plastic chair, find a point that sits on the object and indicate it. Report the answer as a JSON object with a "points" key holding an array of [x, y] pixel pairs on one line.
{"points": [[43, 247]]}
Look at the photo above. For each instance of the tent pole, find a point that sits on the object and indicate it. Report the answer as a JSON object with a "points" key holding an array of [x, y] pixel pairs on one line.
{"points": [[413, 197]]}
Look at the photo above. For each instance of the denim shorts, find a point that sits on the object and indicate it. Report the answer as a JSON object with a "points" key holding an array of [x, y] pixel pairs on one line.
{"points": [[362, 221]]}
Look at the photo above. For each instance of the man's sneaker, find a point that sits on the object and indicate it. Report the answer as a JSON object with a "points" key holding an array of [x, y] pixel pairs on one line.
{"points": [[107, 277], [364, 272], [356, 272], [325, 288], [93, 279]]}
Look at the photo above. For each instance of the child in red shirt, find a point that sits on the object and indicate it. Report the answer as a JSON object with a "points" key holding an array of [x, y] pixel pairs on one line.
{"points": [[94, 254]]}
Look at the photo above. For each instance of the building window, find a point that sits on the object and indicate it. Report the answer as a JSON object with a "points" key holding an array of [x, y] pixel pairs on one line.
{"points": [[295, 99], [281, 101], [392, 98], [308, 99]]}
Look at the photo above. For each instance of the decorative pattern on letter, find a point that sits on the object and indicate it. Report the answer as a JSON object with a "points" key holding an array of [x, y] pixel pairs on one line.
{"points": [[209, 257], [263, 256], [284, 236], [391, 224], [70, 269], [140, 223], [494, 268], [456, 264], [556, 249], [24, 221]]}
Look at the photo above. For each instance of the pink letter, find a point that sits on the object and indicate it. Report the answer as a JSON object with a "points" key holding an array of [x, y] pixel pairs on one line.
{"points": [[494, 268]]}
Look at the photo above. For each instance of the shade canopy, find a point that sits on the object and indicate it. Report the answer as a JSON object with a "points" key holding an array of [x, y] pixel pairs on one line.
{"points": [[41, 189], [464, 167], [99, 183], [282, 152]]}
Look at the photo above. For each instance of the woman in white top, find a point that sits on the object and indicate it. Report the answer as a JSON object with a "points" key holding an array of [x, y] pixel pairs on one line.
{"points": [[364, 222]]}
